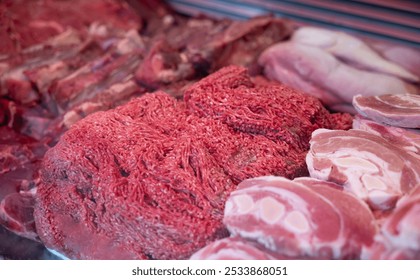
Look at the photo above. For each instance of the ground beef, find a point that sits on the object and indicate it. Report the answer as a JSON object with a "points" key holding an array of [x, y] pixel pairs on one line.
{"points": [[150, 179]]}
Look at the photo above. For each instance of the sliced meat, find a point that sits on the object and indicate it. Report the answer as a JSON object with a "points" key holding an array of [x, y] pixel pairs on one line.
{"points": [[233, 248], [319, 73], [365, 164], [408, 139], [43, 74], [351, 50], [402, 228], [300, 218], [399, 237], [393, 109], [381, 250], [33, 122]]}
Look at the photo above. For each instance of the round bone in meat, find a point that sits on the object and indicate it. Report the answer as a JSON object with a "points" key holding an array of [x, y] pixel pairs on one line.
{"points": [[232, 248], [365, 164], [300, 218], [394, 109]]}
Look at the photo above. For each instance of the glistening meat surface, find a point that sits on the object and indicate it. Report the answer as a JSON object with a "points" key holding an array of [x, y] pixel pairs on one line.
{"points": [[351, 50], [408, 139], [399, 237], [233, 248], [303, 218], [150, 179], [367, 165], [401, 110]]}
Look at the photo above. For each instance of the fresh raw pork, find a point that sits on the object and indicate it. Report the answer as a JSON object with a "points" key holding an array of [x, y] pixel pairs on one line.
{"points": [[408, 139], [63, 60], [393, 109], [399, 237], [300, 218], [150, 179], [19, 166], [16, 214], [317, 72], [367, 165], [233, 248], [351, 50]]}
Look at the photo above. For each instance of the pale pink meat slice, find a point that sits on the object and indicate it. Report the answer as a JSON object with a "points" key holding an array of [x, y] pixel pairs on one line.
{"points": [[401, 110], [367, 165], [408, 139], [399, 237], [300, 218], [232, 248]]}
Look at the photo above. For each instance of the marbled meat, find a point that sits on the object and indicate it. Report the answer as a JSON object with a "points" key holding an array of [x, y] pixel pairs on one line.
{"points": [[303, 218]]}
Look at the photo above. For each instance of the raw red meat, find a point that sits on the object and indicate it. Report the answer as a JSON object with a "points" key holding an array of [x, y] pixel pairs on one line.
{"points": [[152, 177], [276, 112], [300, 218], [401, 110], [367, 165], [19, 163], [26, 23], [399, 237], [183, 53]]}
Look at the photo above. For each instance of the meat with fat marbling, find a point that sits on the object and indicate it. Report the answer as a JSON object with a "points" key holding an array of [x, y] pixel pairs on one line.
{"points": [[367, 165], [408, 139], [399, 237], [393, 109], [300, 218]]}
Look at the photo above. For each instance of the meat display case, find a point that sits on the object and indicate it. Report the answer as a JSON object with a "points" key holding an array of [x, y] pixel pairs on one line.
{"points": [[61, 61]]}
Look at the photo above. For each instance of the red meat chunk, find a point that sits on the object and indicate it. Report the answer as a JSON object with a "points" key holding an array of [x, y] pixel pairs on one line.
{"points": [[150, 179]]}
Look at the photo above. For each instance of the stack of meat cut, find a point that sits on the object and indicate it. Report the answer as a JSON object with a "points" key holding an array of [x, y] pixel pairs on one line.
{"points": [[128, 135], [362, 201]]}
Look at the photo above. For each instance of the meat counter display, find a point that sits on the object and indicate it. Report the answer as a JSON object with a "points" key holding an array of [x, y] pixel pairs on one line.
{"points": [[131, 131]]}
